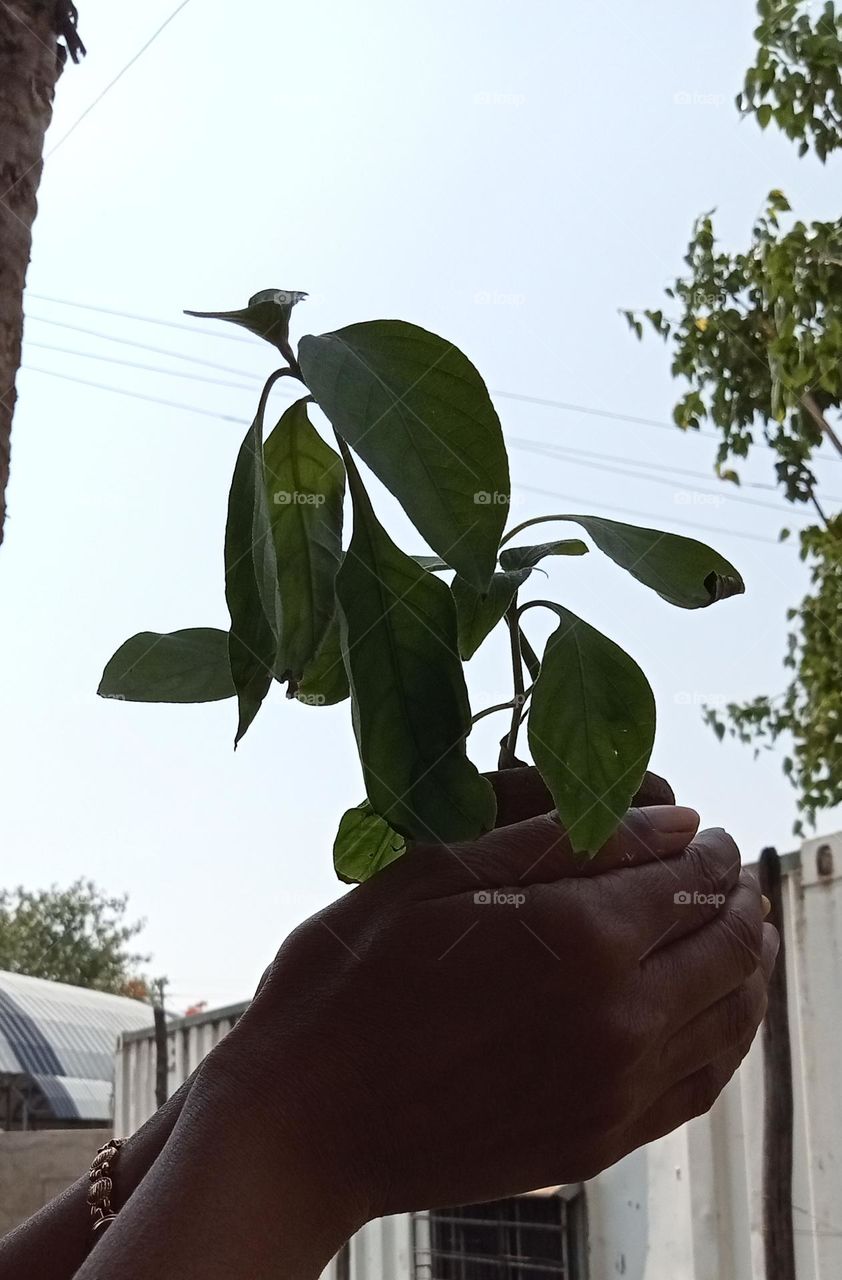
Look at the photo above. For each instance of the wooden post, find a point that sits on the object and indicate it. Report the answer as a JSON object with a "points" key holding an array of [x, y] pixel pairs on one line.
{"points": [[161, 1062], [778, 1242]]}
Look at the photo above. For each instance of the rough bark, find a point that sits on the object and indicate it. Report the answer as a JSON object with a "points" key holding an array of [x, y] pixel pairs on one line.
{"points": [[31, 59]]}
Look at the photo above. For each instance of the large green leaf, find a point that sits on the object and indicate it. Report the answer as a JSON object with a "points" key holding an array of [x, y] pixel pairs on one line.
{"points": [[176, 666], [684, 572], [529, 557], [305, 482], [419, 414], [364, 844], [591, 729], [410, 705], [325, 681], [478, 613], [251, 577], [267, 315]]}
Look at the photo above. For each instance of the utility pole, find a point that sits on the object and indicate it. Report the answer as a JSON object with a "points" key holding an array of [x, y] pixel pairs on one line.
{"points": [[158, 988]]}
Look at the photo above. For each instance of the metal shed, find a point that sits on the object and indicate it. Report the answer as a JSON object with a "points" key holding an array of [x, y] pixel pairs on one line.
{"points": [[57, 1052]]}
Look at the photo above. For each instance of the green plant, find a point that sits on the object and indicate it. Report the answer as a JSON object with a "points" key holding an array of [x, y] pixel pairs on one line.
{"points": [[379, 626]]}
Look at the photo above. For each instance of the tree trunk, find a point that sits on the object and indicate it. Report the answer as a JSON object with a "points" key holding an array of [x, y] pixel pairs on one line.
{"points": [[31, 59]]}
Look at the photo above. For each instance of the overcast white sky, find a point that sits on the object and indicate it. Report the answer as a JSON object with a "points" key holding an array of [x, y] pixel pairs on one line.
{"points": [[507, 175]]}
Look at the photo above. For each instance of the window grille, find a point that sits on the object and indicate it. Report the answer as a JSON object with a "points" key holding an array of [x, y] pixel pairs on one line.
{"points": [[526, 1238]]}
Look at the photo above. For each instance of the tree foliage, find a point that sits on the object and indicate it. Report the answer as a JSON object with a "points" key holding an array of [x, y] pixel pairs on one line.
{"points": [[757, 335], [796, 79], [77, 935]]}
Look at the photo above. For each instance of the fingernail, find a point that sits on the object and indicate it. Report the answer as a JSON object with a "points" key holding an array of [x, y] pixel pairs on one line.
{"points": [[672, 818], [766, 905]]}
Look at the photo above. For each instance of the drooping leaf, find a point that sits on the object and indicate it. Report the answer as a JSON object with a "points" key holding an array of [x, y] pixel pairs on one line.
{"points": [[364, 844], [267, 315], [176, 666], [325, 681], [528, 557], [684, 572], [419, 414], [305, 483], [410, 705], [251, 577], [477, 614], [591, 729]]}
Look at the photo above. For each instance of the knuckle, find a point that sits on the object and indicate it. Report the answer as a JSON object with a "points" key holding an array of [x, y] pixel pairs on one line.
{"points": [[741, 1014], [710, 871]]}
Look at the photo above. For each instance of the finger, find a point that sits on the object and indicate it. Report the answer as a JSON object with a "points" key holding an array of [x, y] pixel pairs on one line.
{"points": [[684, 1101], [522, 793], [538, 851], [672, 897], [726, 1024], [714, 960]]}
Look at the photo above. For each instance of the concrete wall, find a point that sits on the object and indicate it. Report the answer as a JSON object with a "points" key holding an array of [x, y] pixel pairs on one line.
{"points": [[35, 1167]]}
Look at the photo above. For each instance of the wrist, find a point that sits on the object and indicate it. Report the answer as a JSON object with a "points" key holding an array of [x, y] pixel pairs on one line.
{"points": [[288, 1154]]}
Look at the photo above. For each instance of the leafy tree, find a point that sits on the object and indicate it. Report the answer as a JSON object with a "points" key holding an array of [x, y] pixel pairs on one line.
{"points": [[757, 335], [77, 935], [369, 623], [795, 81], [35, 38]]}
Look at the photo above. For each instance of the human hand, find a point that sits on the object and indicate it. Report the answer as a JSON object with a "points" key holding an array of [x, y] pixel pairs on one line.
{"points": [[438, 1046]]}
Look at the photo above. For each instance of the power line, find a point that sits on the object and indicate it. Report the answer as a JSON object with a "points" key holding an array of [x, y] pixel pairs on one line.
{"points": [[147, 368], [131, 315], [546, 451], [131, 62], [572, 453], [145, 346], [648, 515], [546, 402], [222, 417]]}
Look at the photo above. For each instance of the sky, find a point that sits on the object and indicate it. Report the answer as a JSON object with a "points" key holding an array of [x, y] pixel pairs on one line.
{"points": [[508, 176]]}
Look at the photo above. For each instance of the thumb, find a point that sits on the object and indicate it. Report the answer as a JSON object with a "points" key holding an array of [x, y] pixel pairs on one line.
{"points": [[538, 850]]}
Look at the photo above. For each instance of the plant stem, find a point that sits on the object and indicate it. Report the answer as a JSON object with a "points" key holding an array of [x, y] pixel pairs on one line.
{"points": [[507, 747], [809, 403]]}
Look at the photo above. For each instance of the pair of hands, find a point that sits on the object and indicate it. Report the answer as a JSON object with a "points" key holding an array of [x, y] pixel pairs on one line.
{"points": [[483, 1019]]}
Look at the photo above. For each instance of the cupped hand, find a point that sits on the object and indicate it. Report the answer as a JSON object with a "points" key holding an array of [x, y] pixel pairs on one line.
{"points": [[483, 1019]]}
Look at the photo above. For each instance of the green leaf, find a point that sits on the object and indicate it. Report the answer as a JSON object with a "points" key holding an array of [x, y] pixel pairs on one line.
{"points": [[432, 563], [684, 572], [591, 729], [418, 413], [251, 585], [305, 483], [267, 316], [176, 666], [364, 844], [410, 705], [477, 614], [528, 557], [325, 681]]}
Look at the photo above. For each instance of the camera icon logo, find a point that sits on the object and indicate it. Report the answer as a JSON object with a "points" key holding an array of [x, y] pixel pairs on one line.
{"points": [[482, 897], [682, 898]]}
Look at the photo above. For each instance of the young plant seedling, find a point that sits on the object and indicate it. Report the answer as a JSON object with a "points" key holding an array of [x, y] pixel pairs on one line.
{"points": [[370, 623]]}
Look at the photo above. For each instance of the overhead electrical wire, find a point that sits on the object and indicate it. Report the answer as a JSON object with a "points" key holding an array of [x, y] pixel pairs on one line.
{"points": [[546, 402], [566, 453], [242, 422]]}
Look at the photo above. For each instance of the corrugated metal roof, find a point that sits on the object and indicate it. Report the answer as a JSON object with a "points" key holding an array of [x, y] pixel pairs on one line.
{"points": [[62, 1039]]}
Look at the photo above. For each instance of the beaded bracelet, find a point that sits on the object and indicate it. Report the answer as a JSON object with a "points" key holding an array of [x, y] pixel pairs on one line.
{"points": [[102, 1185]]}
